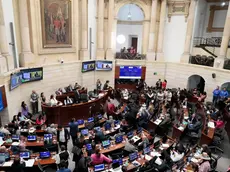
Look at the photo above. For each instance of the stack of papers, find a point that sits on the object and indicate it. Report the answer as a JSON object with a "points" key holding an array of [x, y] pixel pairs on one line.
{"points": [[158, 121], [155, 154], [181, 128], [29, 163], [211, 124], [158, 161], [15, 144], [165, 145], [8, 164], [148, 158], [117, 127]]}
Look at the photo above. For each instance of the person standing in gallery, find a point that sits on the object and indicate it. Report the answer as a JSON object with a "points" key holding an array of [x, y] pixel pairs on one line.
{"points": [[34, 102]]}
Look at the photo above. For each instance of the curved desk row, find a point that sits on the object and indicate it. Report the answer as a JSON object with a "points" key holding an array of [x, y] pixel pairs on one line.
{"points": [[63, 114]]}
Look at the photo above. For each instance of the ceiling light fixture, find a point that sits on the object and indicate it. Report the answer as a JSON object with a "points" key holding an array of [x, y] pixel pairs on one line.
{"points": [[223, 4], [129, 17]]}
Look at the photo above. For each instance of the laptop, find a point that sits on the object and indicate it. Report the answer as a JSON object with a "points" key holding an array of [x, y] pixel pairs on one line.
{"points": [[119, 139], [85, 132], [48, 138], [15, 138], [133, 156], [130, 134], [88, 147], [31, 138], [100, 167], [107, 126], [106, 143], [99, 116], [146, 150], [91, 119], [97, 128], [80, 122], [25, 155], [44, 155]]}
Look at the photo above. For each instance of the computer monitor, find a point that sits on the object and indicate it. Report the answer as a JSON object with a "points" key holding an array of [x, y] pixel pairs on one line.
{"points": [[105, 143], [44, 155], [97, 128], [146, 150], [25, 155], [120, 161], [130, 134], [80, 121], [119, 139], [91, 119], [48, 138], [107, 126], [85, 132], [116, 122], [31, 138], [133, 156], [15, 137], [88, 147], [99, 167], [2, 158], [99, 116]]}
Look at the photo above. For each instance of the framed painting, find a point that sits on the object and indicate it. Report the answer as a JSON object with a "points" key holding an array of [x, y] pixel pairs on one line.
{"points": [[56, 23]]}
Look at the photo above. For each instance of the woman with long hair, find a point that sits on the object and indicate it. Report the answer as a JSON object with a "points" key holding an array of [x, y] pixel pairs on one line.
{"points": [[25, 110]]}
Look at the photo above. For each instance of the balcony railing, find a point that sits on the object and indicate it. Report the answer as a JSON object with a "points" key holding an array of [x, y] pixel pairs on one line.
{"points": [[129, 56], [212, 42], [202, 60]]}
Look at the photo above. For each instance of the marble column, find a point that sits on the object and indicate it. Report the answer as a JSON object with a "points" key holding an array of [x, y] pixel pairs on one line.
{"points": [[6, 61], [145, 37], [152, 31], [84, 53], [189, 32], [100, 30], [109, 51], [219, 62], [27, 58], [160, 54]]}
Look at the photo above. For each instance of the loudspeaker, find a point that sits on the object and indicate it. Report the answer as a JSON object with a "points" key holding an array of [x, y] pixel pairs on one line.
{"points": [[213, 75]]}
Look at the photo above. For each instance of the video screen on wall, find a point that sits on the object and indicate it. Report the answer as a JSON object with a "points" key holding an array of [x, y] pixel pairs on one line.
{"points": [[130, 72], [104, 65], [88, 66], [15, 80], [33, 74]]}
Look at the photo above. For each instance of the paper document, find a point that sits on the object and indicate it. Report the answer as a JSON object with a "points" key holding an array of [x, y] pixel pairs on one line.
{"points": [[29, 163], [211, 124], [158, 121], [1, 141], [15, 144], [148, 158], [155, 154], [8, 164], [158, 161], [165, 145], [181, 128]]}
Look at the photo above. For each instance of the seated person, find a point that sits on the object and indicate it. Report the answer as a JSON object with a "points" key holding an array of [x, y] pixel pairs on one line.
{"points": [[59, 92], [18, 165], [63, 167], [68, 101], [69, 88], [176, 155], [40, 120], [206, 149], [124, 125], [94, 94], [129, 146], [144, 141], [219, 123], [51, 129], [99, 136], [53, 101], [193, 119], [204, 164], [110, 120], [110, 107], [77, 86], [98, 158], [196, 126], [5, 130], [145, 166]]}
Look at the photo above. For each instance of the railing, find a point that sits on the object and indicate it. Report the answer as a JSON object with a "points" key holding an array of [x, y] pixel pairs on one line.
{"points": [[212, 42], [227, 64], [130, 56]]}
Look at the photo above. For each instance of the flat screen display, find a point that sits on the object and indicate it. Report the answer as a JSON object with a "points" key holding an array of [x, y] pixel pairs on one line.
{"points": [[80, 122], [133, 156], [130, 72], [88, 66], [15, 80], [25, 155], [104, 65], [105, 143], [99, 167], [33, 74], [88, 147], [119, 139], [31, 138], [44, 154], [84, 132]]}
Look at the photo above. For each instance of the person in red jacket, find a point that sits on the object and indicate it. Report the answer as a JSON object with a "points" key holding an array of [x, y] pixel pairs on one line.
{"points": [[164, 84]]}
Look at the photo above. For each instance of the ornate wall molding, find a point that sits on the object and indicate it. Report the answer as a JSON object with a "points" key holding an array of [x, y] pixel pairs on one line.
{"points": [[178, 7]]}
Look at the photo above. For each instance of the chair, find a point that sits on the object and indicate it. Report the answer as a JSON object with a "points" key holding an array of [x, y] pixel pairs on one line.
{"points": [[216, 155]]}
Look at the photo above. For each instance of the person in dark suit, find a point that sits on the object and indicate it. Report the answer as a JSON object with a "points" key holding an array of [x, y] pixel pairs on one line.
{"points": [[106, 85], [99, 136], [64, 155], [73, 125], [62, 136], [83, 164], [193, 119], [18, 166], [76, 96]]}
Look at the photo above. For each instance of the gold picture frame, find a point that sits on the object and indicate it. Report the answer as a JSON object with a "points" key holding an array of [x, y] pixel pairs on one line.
{"points": [[56, 23]]}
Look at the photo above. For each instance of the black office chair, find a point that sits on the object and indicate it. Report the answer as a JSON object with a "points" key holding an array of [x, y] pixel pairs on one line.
{"points": [[45, 168], [215, 156]]}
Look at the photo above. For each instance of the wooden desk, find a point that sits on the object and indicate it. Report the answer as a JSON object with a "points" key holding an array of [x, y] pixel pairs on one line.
{"points": [[207, 138], [101, 121], [64, 96], [63, 114]]}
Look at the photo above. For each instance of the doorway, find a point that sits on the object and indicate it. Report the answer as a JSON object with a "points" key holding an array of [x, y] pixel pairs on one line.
{"points": [[134, 41], [196, 81]]}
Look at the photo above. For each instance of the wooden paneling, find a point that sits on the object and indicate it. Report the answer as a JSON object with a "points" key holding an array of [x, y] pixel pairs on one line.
{"points": [[143, 74], [2, 88]]}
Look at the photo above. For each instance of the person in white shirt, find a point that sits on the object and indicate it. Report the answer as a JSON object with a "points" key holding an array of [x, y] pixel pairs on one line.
{"points": [[5, 130], [176, 155], [160, 96], [53, 101], [169, 96]]}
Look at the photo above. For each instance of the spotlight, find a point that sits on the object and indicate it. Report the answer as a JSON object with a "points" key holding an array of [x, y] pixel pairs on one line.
{"points": [[223, 4]]}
